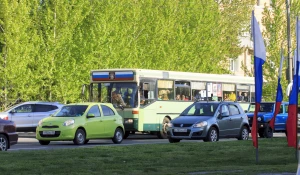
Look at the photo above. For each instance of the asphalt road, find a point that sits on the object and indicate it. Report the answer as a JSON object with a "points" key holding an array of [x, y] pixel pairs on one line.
{"points": [[27, 141]]}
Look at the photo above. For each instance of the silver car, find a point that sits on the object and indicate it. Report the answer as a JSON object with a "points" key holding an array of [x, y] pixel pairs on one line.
{"points": [[210, 121], [27, 115]]}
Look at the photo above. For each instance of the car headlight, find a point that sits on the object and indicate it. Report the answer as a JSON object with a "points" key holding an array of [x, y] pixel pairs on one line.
{"points": [[128, 120], [69, 122], [200, 125], [170, 125], [40, 123], [259, 119]]}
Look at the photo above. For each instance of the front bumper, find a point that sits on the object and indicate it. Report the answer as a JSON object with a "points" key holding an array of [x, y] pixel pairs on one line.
{"points": [[67, 133], [13, 138], [188, 133]]}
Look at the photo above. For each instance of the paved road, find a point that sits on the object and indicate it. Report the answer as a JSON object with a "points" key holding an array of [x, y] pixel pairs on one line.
{"points": [[27, 141]]}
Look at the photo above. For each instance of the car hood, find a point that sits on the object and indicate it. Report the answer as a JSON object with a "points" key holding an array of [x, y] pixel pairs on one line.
{"points": [[190, 119], [57, 120]]}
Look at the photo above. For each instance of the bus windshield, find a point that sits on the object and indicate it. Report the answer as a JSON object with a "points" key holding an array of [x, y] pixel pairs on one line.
{"points": [[118, 93]]}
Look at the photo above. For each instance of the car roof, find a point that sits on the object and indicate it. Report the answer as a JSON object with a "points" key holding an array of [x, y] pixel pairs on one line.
{"points": [[42, 102], [87, 103]]}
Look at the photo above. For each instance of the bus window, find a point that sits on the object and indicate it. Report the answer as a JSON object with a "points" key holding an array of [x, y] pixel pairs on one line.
{"points": [[252, 94], [182, 90], [242, 93], [229, 92], [165, 89], [147, 92], [198, 91]]}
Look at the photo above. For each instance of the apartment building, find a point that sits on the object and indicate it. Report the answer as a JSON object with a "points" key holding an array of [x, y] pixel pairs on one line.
{"points": [[246, 58]]}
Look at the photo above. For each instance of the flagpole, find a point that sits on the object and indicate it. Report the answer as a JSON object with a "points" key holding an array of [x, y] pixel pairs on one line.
{"points": [[256, 152], [296, 65]]}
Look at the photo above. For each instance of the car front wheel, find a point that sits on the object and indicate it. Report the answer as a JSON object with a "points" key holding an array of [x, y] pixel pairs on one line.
{"points": [[3, 143], [79, 138], [42, 142], [118, 136], [212, 135]]}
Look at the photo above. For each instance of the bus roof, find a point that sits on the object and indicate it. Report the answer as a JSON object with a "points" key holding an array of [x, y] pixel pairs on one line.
{"points": [[177, 75]]}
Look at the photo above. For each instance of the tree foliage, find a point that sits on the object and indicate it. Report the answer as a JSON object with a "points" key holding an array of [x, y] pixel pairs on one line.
{"points": [[48, 47]]}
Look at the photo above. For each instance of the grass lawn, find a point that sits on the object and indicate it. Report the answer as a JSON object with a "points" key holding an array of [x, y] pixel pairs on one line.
{"points": [[233, 157]]}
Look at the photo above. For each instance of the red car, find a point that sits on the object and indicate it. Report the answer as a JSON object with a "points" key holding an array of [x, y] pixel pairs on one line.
{"points": [[8, 135]]}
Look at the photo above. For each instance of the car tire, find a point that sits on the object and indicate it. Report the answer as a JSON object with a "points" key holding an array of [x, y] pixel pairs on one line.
{"points": [[44, 142], [80, 137], [212, 135], [3, 143], [268, 132], [162, 134], [174, 140], [261, 133], [86, 141], [244, 133], [118, 136], [126, 134]]}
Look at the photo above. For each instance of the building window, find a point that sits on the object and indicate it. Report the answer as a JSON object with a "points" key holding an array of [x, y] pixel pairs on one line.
{"points": [[231, 65]]}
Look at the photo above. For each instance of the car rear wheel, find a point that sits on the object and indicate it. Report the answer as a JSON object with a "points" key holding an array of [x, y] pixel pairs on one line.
{"points": [[268, 132], [174, 140], [244, 133], [79, 138], [3, 143], [212, 135], [43, 142], [118, 136], [163, 133]]}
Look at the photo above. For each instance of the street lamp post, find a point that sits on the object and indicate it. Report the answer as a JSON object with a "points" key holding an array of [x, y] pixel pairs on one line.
{"points": [[289, 58]]}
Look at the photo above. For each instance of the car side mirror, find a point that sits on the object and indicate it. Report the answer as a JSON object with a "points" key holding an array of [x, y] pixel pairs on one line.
{"points": [[245, 111], [90, 115]]}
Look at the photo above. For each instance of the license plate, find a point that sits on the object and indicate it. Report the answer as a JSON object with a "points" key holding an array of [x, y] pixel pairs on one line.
{"points": [[48, 132], [180, 130]]}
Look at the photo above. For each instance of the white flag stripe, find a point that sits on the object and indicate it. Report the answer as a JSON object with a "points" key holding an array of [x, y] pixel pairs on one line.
{"points": [[259, 46]]}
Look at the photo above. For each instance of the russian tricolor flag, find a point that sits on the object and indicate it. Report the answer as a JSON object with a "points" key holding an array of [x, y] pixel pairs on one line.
{"points": [[259, 60], [291, 124], [279, 95]]}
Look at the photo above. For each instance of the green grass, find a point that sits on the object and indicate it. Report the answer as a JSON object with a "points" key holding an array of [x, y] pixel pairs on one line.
{"points": [[182, 158]]}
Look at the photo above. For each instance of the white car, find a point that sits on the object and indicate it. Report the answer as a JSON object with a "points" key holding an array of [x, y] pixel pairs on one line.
{"points": [[27, 115]]}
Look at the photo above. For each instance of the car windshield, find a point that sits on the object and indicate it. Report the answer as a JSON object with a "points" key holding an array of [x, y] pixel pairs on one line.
{"points": [[200, 109], [71, 111], [264, 107]]}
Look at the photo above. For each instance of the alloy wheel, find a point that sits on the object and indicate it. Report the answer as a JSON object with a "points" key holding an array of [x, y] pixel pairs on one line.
{"points": [[3, 144], [213, 135]]}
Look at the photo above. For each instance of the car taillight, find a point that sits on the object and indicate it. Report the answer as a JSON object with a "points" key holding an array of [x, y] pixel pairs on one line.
{"points": [[5, 118]]}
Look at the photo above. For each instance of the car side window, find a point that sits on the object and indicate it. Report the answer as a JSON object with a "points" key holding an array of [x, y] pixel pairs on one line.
{"points": [[225, 110], [107, 111], [42, 108], [23, 109], [95, 110], [234, 110]]}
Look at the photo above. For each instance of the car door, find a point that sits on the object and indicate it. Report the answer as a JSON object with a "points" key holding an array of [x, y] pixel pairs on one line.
{"points": [[223, 122], [280, 120], [109, 118], [95, 125], [236, 119], [23, 116], [41, 111]]}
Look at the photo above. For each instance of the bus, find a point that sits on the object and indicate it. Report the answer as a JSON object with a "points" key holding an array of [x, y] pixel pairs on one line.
{"points": [[149, 99]]}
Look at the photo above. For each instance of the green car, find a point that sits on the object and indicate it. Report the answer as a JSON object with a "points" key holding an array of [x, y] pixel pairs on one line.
{"points": [[81, 122]]}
